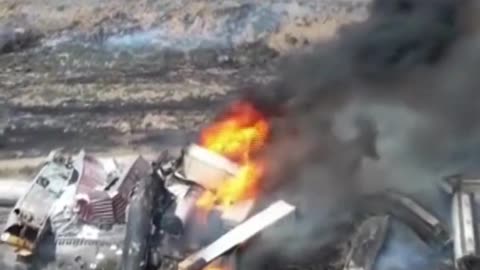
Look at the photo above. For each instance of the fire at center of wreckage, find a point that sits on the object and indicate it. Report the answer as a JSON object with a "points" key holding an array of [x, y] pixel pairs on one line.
{"points": [[106, 214]]}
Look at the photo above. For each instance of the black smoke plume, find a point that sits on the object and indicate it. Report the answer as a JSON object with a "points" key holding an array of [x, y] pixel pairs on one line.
{"points": [[400, 88]]}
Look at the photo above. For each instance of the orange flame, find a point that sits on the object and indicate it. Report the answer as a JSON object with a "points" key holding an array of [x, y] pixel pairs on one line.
{"points": [[216, 267], [240, 133]]}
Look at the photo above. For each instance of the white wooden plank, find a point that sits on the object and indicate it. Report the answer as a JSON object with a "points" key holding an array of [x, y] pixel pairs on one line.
{"points": [[240, 234]]}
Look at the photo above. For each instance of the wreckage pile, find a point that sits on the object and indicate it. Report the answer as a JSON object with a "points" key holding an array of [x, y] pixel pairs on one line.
{"points": [[187, 212], [84, 206], [194, 211]]}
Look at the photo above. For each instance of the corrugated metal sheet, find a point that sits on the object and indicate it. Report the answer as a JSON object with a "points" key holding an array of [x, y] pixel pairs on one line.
{"points": [[74, 241], [98, 209], [121, 191], [119, 207]]}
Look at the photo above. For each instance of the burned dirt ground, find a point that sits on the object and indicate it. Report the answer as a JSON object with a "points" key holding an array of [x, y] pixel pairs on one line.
{"points": [[113, 74]]}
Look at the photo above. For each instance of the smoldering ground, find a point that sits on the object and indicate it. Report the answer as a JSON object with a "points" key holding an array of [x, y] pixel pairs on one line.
{"points": [[411, 69]]}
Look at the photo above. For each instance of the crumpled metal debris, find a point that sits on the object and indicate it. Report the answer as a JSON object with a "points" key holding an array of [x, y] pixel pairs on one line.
{"points": [[465, 220], [237, 236], [162, 201], [367, 243], [425, 224]]}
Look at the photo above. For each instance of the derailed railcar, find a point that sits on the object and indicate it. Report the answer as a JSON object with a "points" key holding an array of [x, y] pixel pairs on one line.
{"points": [[139, 215], [94, 235], [79, 201], [28, 221]]}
